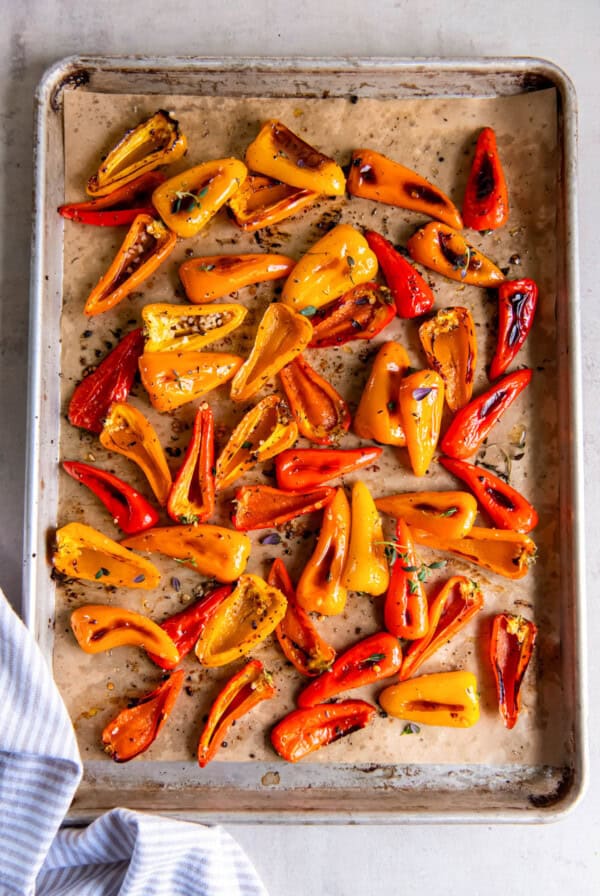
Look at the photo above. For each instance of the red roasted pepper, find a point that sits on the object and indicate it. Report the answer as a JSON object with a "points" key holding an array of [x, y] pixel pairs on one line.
{"points": [[485, 206], [412, 295], [361, 313], [110, 381], [192, 495], [511, 646], [298, 469], [517, 300], [305, 730], [115, 209], [472, 423], [129, 510], [405, 608], [262, 507], [185, 628], [321, 413]]}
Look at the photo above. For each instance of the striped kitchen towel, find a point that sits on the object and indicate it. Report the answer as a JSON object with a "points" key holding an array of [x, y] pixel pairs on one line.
{"points": [[123, 852]]}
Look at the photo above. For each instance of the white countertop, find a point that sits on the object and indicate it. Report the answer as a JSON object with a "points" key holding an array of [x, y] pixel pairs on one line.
{"points": [[344, 860]]}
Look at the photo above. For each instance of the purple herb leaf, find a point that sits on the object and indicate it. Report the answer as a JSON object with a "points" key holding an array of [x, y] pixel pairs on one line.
{"points": [[271, 538], [423, 392]]}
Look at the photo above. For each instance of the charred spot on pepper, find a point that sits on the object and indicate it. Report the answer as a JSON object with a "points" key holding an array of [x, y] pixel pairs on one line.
{"points": [[424, 193], [485, 182]]}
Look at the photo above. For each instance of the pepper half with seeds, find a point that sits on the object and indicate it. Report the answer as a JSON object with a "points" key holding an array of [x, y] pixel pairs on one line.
{"points": [[189, 328], [84, 553]]}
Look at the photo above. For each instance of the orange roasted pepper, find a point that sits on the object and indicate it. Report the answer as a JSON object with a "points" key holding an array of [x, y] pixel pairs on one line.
{"points": [[448, 514], [442, 249], [303, 731], [421, 403], [211, 276], [262, 507], [446, 698], [319, 410], [281, 336], [366, 566], [511, 645], [188, 201], [262, 201], [374, 176], [405, 608], [192, 496], [450, 345], [85, 553], [281, 154], [321, 587], [173, 378], [147, 244], [98, 627], [188, 328], [378, 415], [126, 431], [508, 553]]}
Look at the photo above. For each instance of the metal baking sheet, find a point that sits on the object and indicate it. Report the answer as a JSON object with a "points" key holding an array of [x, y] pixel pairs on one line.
{"points": [[485, 773]]}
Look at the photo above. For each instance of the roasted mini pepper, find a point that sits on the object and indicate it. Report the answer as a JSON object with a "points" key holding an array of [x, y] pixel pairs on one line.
{"points": [[262, 507], [321, 588], [192, 495], [172, 379], [187, 201], [472, 424], [110, 381], [98, 627], [405, 608], [245, 690], [506, 507], [372, 659], [361, 313], [85, 553], [262, 201], [456, 603], [281, 336], [137, 727], [412, 295], [517, 301], [378, 415], [374, 176], [301, 643], [319, 410], [266, 430], [446, 251], [512, 642], [450, 345], [366, 566], [146, 245], [188, 328], [279, 153], [126, 431], [305, 730], [129, 510], [508, 553], [485, 206], [298, 469], [185, 628], [242, 622], [117, 208], [156, 141], [333, 265], [450, 514], [211, 276], [421, 403], [209, 550], [446, 698]]}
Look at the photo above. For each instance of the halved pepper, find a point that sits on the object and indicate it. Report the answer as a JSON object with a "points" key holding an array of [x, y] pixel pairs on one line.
{"points": [[319, 410], [366, 567], [378, 415], [374, 176], [506, 507], [129, 510], [298, 469], [262, 507], [485, 206], [245, 690], [262, 201], [337, 262], [126, 431], [185, 628], [192, 495], [146, 245], [281, 336], [110, 381], [305, 730], [361, 313], [281, 154], [372, 659], [84, 553], [446, 251], [456, 603], [187, 201], [321, 586], [412, 295], [449, 514], [263, 432], [421, 404], [188, 328], [405, 608], [155, 141], [472, 423], [116, 208], [210, 550], [517, 301], [508, 553], [211, 276], [450, 345], [172, 379], [301, 643], [512, 642], [98, 627], [242, 622], [446, 698], [137, 727]]}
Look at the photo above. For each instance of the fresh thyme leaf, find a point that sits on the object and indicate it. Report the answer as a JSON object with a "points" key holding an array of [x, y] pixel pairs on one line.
{"points": [[410, 728], [206, 267], [247, 445], [412, 586], [309, 311], [450, 512], [438, 564]]}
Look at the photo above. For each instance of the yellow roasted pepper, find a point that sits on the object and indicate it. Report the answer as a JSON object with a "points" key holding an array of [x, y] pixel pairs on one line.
{"points": [[85, 553], [175, 378], [421, 403], [262, 201], [170, 328], [448, 514], [508, 553], [446, 698], [366, 564]]}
